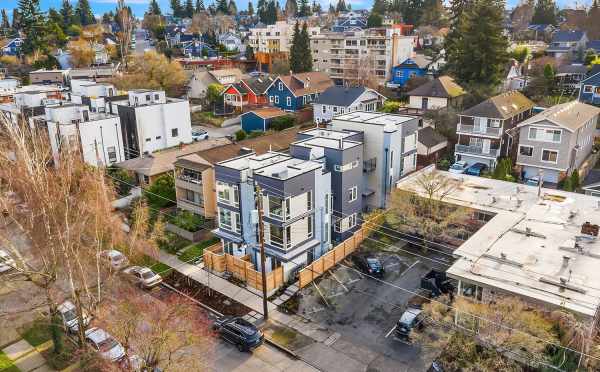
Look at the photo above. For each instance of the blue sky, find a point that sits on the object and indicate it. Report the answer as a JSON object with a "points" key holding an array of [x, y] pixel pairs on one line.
{"points": [[140, 6]]}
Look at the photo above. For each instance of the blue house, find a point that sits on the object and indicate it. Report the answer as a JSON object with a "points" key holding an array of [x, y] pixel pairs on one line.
{"points": [[13, 47], [296, 91], [404, 72], [260, 119], [590, 90], [195, 49]]}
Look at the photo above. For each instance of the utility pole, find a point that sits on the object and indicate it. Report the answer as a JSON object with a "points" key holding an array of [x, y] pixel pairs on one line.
{"points": [[261, 242]]}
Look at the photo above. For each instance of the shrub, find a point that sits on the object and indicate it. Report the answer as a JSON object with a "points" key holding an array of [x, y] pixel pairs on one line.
{"points": [[390, 106], [196, 250], [282, 122], [121, 179], [575, 180], [161, 192], [240, 135], [188, 221], [255, 133]]}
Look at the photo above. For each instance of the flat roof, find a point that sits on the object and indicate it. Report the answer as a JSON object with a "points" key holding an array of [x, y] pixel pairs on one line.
{"points": [[331, 143], [254, 161], [531, 244], [289, 168], [377, 118], [328, 133]]}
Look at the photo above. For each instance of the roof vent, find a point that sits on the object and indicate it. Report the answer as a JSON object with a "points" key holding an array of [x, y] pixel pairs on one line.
{"points": [[589, 229], [565, 262]]}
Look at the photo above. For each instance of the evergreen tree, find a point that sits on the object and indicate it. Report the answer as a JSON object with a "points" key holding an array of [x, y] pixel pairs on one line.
{"points": [[380, 7], [16, 19], [68, 16], [433, 14], [341, 6], [411, 11], [31, 21], [271, 13], [261, 10], [250, 8], [295, 52], [304, 9], [480, 54], [457, 8], [199, 6], [189, 9], [222, 6], [176, 8], [232, 8], [84, 13], [154, 8], [316, 7], [5, 23], [305, 49], [249, 53], [374, 20], [291, 8], [545, 12], [592, 26], [331, 9]]}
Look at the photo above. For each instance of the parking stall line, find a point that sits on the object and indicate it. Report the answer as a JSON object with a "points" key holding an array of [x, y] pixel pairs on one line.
{"points": [[410, 267], [391, 330]]}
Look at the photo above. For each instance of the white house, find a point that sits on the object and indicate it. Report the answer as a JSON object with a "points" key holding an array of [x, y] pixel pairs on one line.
{"points": [[340, 100], [231, 41]]}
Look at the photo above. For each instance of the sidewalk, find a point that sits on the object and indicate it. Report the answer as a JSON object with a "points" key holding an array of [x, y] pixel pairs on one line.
{"points": [[26, 357]]}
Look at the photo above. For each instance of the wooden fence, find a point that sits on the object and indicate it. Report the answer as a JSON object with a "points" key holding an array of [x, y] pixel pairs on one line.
{"points": [[341, 251], [241, 268]]}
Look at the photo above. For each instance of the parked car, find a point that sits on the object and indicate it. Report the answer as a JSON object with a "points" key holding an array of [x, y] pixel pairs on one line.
{"points": [[105, 344], [410, 319], [68, 315], [143, 276], [199, 134], [476, 169], [115, 259], [369, 264], [243, 334], [7, 263], [458, 167]]}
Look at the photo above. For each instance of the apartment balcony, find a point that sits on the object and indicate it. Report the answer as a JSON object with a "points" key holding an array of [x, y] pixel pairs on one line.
{"points": [[476, 150], [188, 183], [475, 129]]}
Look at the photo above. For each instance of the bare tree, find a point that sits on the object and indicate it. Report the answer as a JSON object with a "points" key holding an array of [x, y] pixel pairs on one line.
{"points": [[126, 22]]}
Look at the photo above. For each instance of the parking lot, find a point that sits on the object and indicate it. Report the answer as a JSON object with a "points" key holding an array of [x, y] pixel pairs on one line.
{"points": [[364, 310]]}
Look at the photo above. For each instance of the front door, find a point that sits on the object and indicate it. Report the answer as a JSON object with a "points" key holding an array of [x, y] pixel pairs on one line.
{"points": [[424, 103]]}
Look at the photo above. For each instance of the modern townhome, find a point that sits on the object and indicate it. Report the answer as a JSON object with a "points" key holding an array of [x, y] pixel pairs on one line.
{"points": [[389, 150], [340, 100], [248, 92], [436, 94], [295, 195], [342, 153], [296, 91], [195, 183], [485, 131], [152, 121], [97, 136], [91, 93], [565, 42], [556, 142], [590, 90]]}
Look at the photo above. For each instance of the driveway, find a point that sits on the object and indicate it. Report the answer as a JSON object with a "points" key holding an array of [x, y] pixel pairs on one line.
{"points": [[217, 132]]}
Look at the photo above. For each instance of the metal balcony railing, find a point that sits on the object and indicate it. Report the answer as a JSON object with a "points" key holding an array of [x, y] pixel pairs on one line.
{"points": [[472, 129], [476, 150]]}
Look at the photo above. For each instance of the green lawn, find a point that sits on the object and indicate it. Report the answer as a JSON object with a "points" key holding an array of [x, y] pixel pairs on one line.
{"points": [[61, 361], [196, 250], [160, 268], [36, 332], [6, 365]]}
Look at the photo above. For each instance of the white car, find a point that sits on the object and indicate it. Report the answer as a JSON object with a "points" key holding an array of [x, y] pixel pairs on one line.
{"points": [[143, 276], [68, 315], [7, 263], [199, 134], [116, 259], [458, 167], [105, 344]]}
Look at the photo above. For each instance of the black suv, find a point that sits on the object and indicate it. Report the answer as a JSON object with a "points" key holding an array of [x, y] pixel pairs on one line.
{"points": [[243, 334], [369, 264]]}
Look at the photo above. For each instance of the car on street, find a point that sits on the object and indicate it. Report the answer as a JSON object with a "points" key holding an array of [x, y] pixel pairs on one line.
{"points": [[199, 134], [105, 344], [115, 259], [7, 263], [410, 319], [243, 334], [68, 315], [143, 276], [458, 167], [369, 264], [476, 169]]}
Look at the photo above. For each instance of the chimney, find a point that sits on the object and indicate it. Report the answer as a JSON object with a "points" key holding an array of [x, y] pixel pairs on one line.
{"points": [[503, 255], [565, 261]]}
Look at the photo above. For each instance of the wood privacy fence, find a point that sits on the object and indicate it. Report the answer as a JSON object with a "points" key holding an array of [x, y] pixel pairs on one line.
{"points": [[240, 268], [341, 251]]}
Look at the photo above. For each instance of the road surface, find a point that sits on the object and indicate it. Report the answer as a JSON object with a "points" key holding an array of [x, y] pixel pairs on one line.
{"points": [[141, 44]]}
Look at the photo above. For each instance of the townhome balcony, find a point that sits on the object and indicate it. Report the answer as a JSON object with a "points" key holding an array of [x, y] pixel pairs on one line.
{"points": [[477, 150], [476, 129]]}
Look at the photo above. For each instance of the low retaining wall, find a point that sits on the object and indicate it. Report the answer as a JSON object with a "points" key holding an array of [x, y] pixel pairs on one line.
{"points": [[194, 236]]}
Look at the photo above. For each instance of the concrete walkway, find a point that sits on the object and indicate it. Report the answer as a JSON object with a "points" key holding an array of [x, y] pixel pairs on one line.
{"points": [[26, 357]]}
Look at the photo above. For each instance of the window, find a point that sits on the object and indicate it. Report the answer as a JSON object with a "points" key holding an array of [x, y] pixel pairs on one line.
{"points": [[324, 109], [495, 123], [352, 193], [327, 201], [587, 89], [547, 135], [156, 96], [288, 101], [549, 156], [310, 227], [146, 179], [280, 86], [229, 247], [148, 139], [174, 132], [147, 97], [276, 99], [276, 236], [229, 220], [525, 150], [335, 109], [326, 232], [227, 193], [309, 200], [271, 99], [190, 196], [276, 207], [352, 220], [158, 137], [112, 154]]}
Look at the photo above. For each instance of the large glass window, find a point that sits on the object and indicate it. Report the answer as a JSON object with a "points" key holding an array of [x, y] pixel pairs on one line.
{"points": [[276, 235], [227, 193], [225, 219], [276, 207], [526, 150], [550, 156]]}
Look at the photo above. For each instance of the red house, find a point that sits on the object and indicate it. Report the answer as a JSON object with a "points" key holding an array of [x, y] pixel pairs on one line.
{"points": [[250, 91]]}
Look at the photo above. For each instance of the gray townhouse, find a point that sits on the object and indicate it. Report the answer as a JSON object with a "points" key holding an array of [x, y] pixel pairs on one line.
{"points": [[342, 153], [555, 142], [296, 203], [389, 150], [486, 131]]}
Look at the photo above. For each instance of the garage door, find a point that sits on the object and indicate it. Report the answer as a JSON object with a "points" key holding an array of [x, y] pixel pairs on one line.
{"points": [[549, 175]]}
